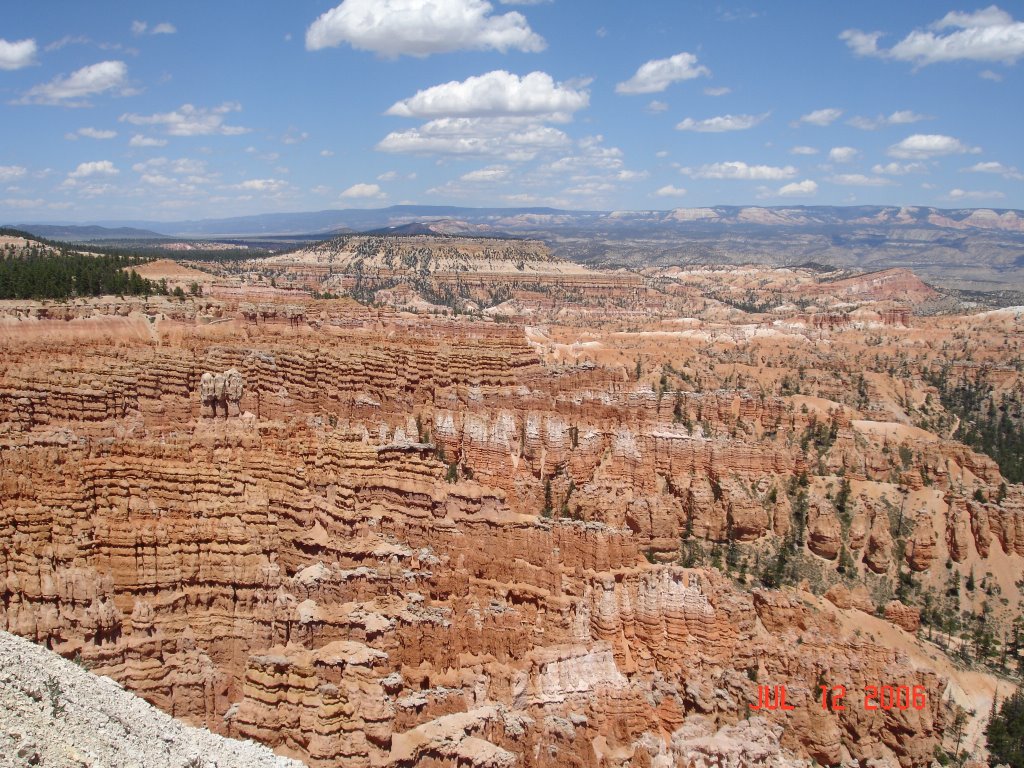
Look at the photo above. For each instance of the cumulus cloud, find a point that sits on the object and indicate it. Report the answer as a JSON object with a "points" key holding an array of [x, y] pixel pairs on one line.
{"points": [[720, 91], [670, 191], [901, 117], [721, 124], [658, 74], [514, 139], [843, 154], [803, 188], [184, 176], [11, 172], [91, 133], [498, 93], [990, 34], [860, 180], [138, 140], [491, 173], [88, 81], [739, 170], [802, 150], [90, 170], [262, 185], [189, 120], [421, 27], [964, 194], [364, 191], [899, 169], [922, 146], [861, 43], [1007, 172], [17, 54], [95, 168], [822, 117], [656, 106]]}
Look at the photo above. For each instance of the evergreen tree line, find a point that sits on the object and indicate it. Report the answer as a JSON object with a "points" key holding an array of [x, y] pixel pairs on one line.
{"points": [[51, 271]]}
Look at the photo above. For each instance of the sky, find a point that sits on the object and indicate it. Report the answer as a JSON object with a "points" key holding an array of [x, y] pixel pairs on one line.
{"points": [[165, 111]]}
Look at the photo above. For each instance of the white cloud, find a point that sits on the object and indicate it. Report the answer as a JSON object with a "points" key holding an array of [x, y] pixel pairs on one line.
{"points": [[822, 117], [899, 169], [163, 28], [657, 106], [11, 172], [657, 75], [513, 139], [91, 133], [21, 202], [182, 165], [803, 151], [901, 117], [740, 170], [497, 93], [721, 124], [421, 27], [388, 176], [87, 170], [326, 153], [988, 74], [964, 194], [861, 43], [670, 191], [294, 136], [799, 188], [262, 185], [87, 81], [1007, 172], [922, 146], [843, 154], [138, 140], [17, 54], [720, 91], [490, 173], [990, 34], [189, 120], [860, 180], [364, 191]]}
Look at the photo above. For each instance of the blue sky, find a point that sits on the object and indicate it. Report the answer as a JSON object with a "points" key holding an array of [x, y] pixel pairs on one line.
{"points": [[163, 111]]}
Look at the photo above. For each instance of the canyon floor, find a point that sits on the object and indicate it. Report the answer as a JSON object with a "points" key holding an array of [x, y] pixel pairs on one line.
{"points": [[444, 501]]}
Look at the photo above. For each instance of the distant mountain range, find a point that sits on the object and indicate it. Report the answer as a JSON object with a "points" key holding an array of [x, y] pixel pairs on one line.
{"points": [[88, 233], [970, 248], [543, 219]]}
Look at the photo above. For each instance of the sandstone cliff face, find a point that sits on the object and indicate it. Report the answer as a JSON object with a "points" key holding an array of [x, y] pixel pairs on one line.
{"points": [[383, 540]]}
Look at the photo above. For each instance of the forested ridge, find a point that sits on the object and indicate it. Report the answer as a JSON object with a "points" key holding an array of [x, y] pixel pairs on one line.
{"points": [[48, 270]]}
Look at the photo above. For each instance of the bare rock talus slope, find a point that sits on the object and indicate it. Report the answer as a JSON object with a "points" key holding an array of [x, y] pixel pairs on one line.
{"points": [[55, 714]]}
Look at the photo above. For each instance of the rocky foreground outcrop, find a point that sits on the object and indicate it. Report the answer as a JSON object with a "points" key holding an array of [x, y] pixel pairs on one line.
{"points": [[55, 714]]}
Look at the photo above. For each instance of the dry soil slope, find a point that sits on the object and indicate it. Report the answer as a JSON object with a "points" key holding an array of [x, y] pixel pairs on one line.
{"points": [[55, 713]]}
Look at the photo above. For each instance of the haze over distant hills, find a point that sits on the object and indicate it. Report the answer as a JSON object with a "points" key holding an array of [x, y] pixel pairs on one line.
{"points": [[973, 248]]}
